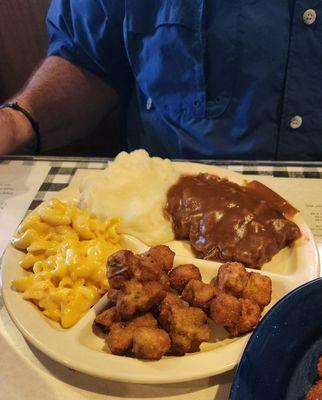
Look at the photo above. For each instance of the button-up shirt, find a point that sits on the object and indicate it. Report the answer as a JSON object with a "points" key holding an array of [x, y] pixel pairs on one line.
{"points": [[238, 79]]}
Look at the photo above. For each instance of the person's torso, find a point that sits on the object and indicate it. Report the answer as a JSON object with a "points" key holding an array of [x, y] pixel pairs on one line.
{"points": [[224, 79]]}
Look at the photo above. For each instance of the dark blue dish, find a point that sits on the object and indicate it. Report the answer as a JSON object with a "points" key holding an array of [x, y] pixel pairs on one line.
{"points": [[279, 362]]}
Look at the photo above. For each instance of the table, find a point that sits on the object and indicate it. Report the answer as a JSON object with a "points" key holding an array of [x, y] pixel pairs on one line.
{"points": [[27, 373]]}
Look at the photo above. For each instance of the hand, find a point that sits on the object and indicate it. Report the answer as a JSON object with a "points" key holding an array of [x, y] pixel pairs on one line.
{"points": [[15, 130]]}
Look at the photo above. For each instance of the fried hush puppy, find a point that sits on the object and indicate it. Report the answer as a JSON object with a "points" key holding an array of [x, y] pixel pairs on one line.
{"points": [[156, 309], [152, 265], [233, 279], [181, 275], [188, 329], [164, 309], [141, 336], [198, 294], [136, 297], [118, 268], [315, 393], [150, 343], [225, 309], [139, 297], [248, 319], [162, 256], [120, 337], [107, 318], [147, 269], [187, 326], [258, 289], [238, 316]]}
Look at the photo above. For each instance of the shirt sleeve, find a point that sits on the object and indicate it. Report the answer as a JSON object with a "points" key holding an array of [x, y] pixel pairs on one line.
{"points": [[89, 33]]}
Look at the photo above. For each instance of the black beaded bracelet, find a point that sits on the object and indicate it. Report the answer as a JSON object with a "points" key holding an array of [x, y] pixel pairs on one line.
{"points": [[34, 124]]}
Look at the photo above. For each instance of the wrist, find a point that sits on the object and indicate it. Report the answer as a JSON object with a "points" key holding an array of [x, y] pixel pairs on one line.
{"points": [[16, 127]]}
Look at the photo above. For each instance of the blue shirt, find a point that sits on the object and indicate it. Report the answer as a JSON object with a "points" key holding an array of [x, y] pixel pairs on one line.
{"points": [[204, 78]]}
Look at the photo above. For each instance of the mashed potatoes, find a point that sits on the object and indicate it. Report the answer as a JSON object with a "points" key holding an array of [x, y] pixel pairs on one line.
{"points": [[133, 187]]}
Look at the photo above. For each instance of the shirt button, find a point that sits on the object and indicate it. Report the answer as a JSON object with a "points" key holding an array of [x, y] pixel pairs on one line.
{"points": [[309, 17], [296, 122], [149, 104]]}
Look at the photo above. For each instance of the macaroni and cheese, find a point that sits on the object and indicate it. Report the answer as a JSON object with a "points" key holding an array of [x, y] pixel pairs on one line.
{"points": [[66, 253]]}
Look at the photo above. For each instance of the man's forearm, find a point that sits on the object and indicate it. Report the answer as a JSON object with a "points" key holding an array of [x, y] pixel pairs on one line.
{"points": [[67, 101]]}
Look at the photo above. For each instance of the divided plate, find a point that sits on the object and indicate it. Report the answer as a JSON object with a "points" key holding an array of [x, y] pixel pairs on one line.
{"points": [[83, 348]]}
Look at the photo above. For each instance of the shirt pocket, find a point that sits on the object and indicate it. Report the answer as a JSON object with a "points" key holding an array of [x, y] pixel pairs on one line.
{"points": [[165, 45]]}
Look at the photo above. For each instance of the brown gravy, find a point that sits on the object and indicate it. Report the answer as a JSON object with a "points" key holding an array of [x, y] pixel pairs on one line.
{"points": [[228, 222]]}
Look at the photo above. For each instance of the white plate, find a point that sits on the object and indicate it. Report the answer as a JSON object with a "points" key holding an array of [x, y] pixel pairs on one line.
{"points": [[83, 350]]}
